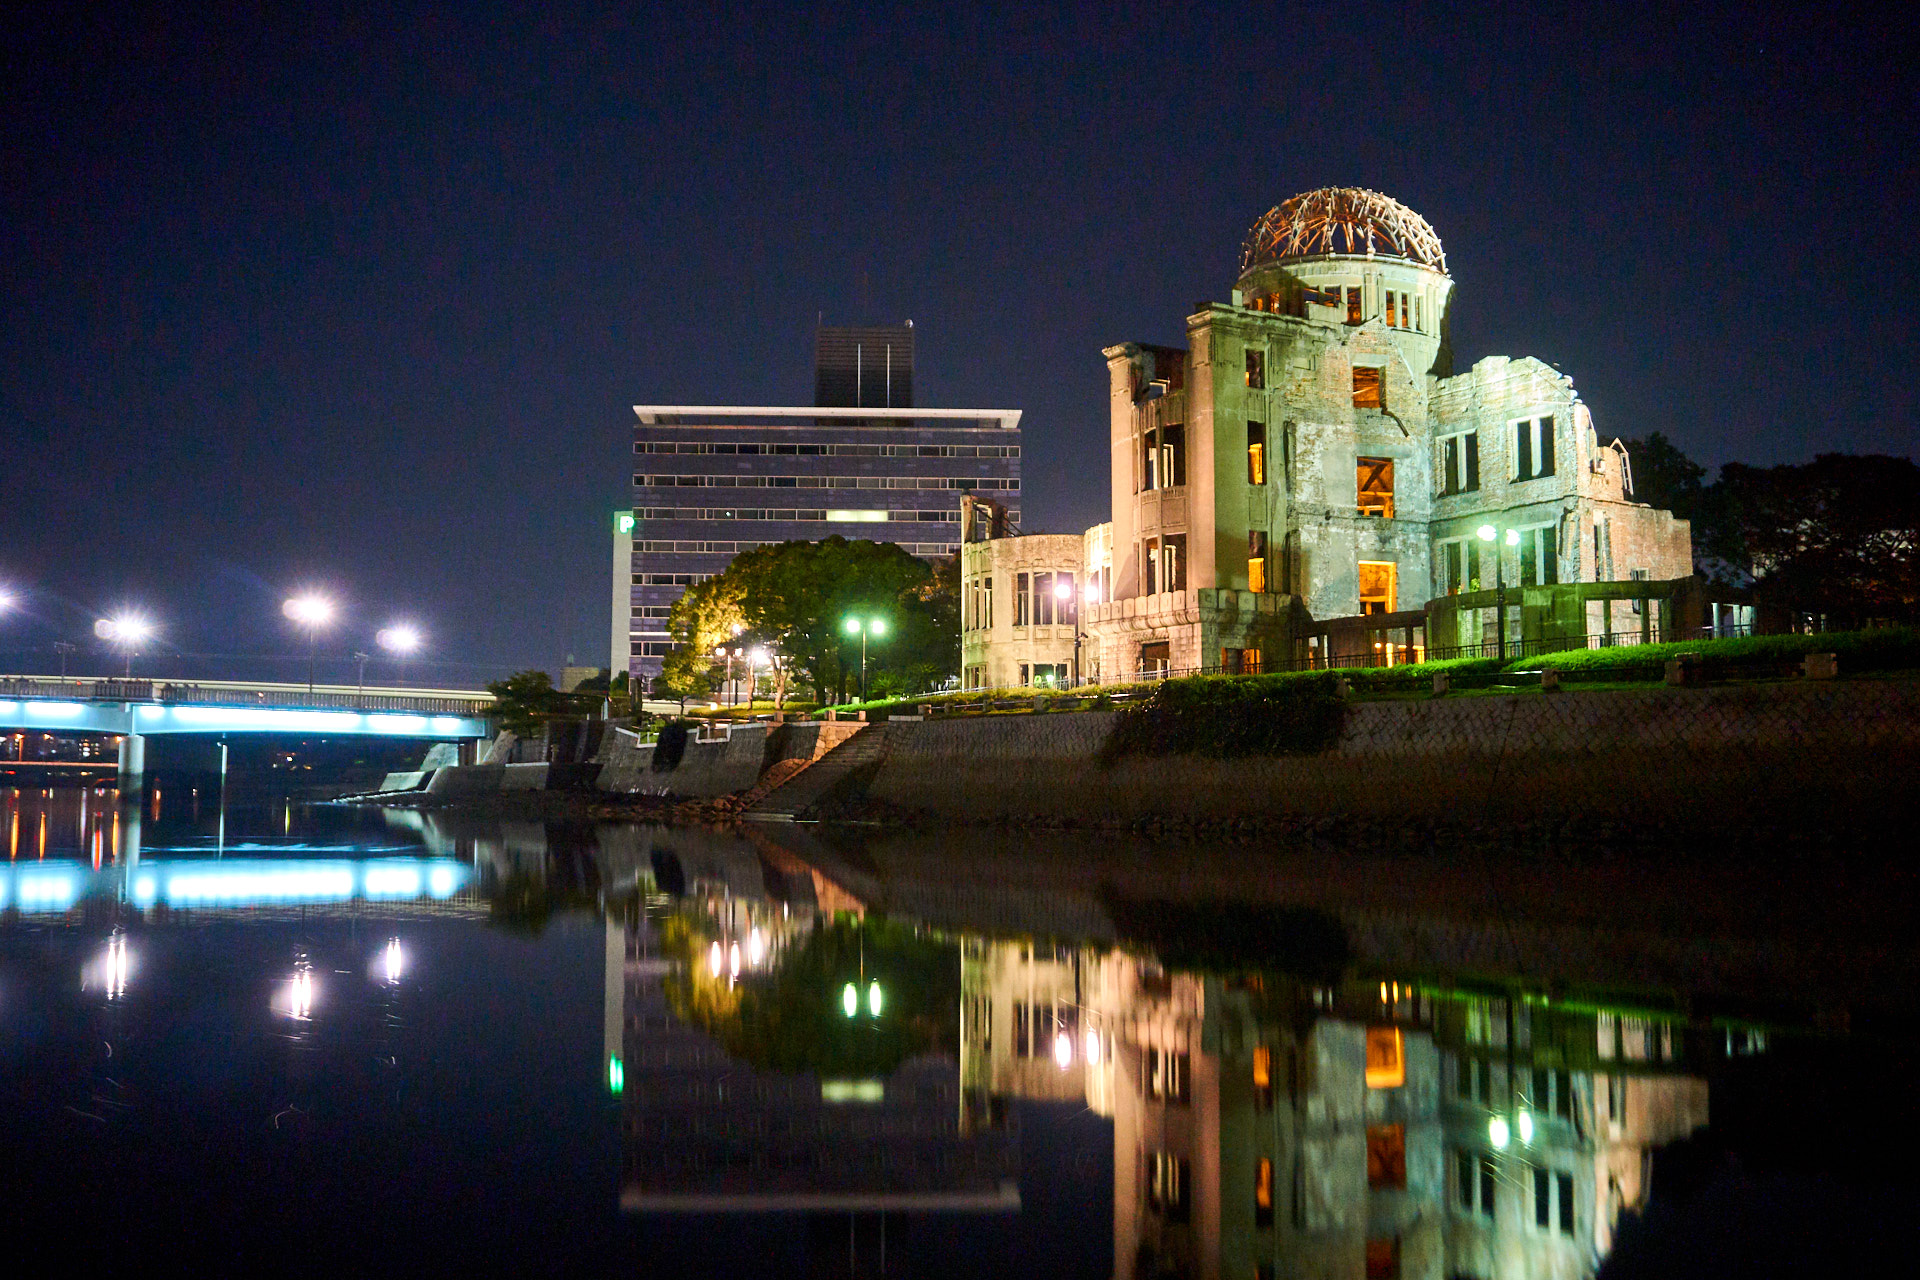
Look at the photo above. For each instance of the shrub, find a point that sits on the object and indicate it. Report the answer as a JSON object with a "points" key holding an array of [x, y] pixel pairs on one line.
{"points": [[1882, 649], [1225, 717]]}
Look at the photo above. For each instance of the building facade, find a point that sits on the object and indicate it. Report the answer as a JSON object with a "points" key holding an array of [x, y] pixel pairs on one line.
{"points": [[1311, 454], [1267, 1127], [710, 482], [1020, 601]]}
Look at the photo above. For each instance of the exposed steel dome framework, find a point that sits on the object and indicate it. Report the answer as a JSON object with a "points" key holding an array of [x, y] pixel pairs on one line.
{"points": [[1342, 220]]}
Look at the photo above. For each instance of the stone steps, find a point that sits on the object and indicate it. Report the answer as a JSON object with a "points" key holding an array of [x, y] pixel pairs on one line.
{"points": [[802, 789]]}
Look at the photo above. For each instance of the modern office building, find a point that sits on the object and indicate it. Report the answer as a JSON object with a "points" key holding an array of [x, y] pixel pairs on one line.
{"points": [[712, 481]]}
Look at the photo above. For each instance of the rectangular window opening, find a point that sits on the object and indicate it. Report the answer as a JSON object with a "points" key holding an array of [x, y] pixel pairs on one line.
{"points": [[1256, 453], [1387, 1157], [1256, 369], [1256, 560], [1368, 392], [1386, 1058], [1378, 586], [1374, 482]]}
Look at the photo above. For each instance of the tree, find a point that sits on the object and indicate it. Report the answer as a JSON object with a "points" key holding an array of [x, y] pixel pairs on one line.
{"points": [[1665, 477], [527, 699], [794, 598], [1839, 536]]}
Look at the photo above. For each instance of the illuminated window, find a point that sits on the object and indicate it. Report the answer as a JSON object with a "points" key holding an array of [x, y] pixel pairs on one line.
{"points": [[1353, 304], [1042, 599], [1386, 1060], [1367, 390], [1374, 483], [1386, 1156], [1256, 453], [1393, 311], [1156, 657], [1256, 369], [1256, 560], [1263, 1193], [1150, 565], [1416, 316], [1377, 585]]}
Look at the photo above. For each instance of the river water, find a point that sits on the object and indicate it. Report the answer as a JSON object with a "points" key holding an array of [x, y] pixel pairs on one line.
{"points": [[335, 1040]]}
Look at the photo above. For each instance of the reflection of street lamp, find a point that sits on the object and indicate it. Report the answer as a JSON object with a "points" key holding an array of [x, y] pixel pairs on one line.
{"points": [[875, 627], [128, 631], [312, 612], [1488, 533]]}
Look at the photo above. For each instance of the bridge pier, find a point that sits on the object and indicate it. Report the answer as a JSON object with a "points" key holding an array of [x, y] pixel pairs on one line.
{"points": [[133, 762]]}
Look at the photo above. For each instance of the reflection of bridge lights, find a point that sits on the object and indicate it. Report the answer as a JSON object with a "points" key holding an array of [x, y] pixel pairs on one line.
{"points": [[733, 961], [715, 960], [1063, 1050], [756, 947], [395, 961]]}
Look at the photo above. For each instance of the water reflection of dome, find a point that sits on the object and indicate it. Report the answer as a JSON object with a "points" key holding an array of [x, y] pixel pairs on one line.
{"points": [[1341, 220]]}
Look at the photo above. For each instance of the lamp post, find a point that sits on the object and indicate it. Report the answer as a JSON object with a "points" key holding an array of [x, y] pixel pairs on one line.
{"points": [[863, 628], [1089, 594], [399, 641], [127, 631], [1489, 533], [311, 612]]}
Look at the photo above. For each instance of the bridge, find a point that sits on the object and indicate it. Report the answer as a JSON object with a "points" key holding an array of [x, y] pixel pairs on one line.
{"points": [[133, 710]]}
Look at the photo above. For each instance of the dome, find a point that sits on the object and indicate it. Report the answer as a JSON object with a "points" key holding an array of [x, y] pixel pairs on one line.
{"points": [[1342, 220]]}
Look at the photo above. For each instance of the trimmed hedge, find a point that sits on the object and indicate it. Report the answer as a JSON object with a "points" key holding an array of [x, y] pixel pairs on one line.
{"points": [[1226, 717], [1881, 649]]}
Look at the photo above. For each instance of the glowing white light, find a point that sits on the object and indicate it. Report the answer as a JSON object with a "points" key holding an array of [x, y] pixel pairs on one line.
{"points": [[1063, 1050], [756, 656], [127, 629], [400, 639], [756, 947], [440, 882], [309, 610], [1093, 593], [1525, 1124], [299, 996], [1498, 1133], [395, 960], [715, 960], [850, 999], [733, 960], [1093, 1048], [1487, 532], [54, 708]]}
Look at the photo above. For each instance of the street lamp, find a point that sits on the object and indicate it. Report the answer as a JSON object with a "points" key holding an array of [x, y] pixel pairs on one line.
{"points": [[875, 627], [1089, 594], [312, 612], [128, 631], [399, 641], [1489, 533]]}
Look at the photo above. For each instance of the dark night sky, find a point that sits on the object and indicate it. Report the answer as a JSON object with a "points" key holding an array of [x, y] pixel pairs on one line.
{"points": [[362, 301]]}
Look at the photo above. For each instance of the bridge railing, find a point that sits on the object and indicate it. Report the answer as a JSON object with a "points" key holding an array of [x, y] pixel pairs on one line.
{"points": [[233, 694]]}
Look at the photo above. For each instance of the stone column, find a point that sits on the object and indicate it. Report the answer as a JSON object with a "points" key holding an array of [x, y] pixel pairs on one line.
{"points": [[133, 762]]}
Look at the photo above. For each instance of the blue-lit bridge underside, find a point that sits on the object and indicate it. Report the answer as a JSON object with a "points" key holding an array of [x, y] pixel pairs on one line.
{"points": [[146, 719], [188, 884]]}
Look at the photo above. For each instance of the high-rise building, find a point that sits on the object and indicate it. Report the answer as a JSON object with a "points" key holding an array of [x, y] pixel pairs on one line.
{"points": [[712, 481]]}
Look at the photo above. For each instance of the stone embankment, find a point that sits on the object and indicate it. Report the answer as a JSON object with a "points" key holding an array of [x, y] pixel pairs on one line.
{"points": [[1809, 756]]}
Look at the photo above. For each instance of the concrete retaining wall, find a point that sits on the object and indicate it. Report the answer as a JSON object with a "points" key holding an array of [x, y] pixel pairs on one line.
{"points": [[1805, 754], [709, 769]]}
